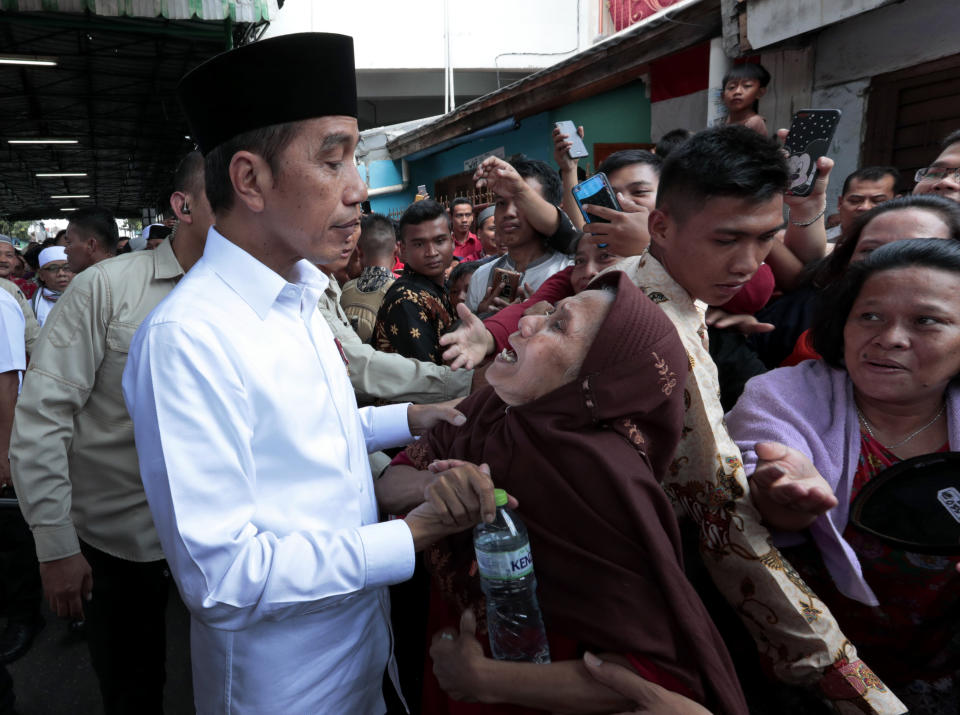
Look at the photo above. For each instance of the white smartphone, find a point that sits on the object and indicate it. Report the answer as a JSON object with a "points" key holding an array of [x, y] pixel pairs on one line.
{"points": [[579, 149]]}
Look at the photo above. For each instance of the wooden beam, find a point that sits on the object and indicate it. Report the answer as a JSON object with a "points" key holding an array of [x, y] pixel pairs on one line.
{"points": [[584, 75]]}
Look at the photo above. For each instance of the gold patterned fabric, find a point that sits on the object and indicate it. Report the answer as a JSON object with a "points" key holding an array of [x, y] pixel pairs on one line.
{"points": [[414, 314], [796, 635]]}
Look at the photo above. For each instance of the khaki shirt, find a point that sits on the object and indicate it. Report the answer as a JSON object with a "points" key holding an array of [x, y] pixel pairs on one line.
{"points": [[381, 376], [361, 307], [31, 328], [72, 452]]}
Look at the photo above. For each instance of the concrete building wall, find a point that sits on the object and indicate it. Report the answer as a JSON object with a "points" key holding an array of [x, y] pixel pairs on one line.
{"points": [[850, 53]]}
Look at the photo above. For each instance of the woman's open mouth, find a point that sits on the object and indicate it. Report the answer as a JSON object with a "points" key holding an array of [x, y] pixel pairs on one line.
{"points": [[507, 355]]}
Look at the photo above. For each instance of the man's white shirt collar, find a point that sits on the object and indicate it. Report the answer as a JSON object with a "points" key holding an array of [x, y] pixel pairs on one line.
{"points": [[257, 284]]}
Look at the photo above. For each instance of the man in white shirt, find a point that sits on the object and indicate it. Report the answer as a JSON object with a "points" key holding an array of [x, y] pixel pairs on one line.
{"points": [[13, 359], [252, 451], [20, 590]]}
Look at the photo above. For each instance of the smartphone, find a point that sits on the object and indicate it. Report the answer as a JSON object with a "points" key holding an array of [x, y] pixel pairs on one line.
{"points": [[596, 191], [511, 281], [579, 149], [811, 132]]}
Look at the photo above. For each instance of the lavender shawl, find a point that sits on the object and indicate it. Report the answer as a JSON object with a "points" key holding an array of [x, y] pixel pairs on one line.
{"points": [[810, 407]]}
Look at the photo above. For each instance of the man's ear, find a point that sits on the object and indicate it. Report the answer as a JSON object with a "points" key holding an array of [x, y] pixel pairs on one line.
{"points": [[178, 202], [760, 92], [250, 176], [658, 224]]}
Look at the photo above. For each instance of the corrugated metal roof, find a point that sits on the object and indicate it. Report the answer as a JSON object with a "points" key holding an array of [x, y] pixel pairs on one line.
{"points": [[113, 90], [238, 10]]}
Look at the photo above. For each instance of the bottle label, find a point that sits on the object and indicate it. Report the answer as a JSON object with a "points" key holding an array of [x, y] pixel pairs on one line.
{"points": [[505, 565]]}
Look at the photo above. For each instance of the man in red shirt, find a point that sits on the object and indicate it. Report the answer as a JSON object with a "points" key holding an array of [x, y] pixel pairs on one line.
{"points": [[466, 245]]}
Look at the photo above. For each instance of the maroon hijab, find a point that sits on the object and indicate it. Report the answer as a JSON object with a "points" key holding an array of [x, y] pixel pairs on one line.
{"points": [[584, 461]]}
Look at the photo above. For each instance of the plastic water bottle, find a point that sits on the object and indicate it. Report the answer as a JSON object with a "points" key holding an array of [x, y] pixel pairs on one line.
{"points": [[506, 575]]}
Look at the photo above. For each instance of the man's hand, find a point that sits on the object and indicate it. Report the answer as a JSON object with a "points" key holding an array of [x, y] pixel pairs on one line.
{"points": [[649, 697], [458, 660], [468, 345], [500, 178], [787, 489], [493, 302], [808, 243], [746, 324], [626, 234], [67, 583], [420, 418], [561, 153]]}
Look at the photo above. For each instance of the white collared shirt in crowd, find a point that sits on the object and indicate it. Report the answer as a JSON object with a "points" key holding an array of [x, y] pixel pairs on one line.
{"points": [[254, 460], [13, 354]]}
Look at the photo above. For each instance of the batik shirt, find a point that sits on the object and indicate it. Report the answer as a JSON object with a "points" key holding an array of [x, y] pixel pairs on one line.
{"points": [[796, 634], [414, 314]]}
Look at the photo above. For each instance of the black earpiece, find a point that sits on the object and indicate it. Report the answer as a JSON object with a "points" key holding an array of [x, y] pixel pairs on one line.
{"points": [[186, 209]]}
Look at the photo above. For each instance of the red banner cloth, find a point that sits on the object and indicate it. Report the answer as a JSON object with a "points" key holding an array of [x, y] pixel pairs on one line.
{"points": [[626, 12]]}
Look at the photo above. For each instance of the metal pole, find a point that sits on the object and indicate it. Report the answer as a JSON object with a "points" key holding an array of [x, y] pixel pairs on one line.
{"points": [[453, 97], [447, 104]]}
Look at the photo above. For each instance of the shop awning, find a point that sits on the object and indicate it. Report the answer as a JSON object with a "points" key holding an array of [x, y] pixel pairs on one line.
{"points": [[236, 10]]}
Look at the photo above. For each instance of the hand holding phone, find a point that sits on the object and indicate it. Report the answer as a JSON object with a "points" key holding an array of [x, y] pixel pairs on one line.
{"points": [[596, 191], [577, 149], [811, 132], [510, 281]]}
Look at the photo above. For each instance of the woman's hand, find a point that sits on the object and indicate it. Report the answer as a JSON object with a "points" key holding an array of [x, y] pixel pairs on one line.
{"points": [[787, 489], [458, 660], [460, 491], [420, 418], [542, 308], [468, 345], [455, 500], [649, 697]]}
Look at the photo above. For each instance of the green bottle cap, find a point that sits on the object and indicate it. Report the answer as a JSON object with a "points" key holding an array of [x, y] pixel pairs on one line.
{"points": [[500, 497]]}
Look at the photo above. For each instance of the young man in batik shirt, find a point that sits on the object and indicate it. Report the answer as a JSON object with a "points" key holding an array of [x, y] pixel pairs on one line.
{"points": [[416, 310]]}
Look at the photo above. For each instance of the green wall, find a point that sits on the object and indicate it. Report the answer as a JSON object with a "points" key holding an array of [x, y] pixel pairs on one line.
{"points": [[620, 115]]}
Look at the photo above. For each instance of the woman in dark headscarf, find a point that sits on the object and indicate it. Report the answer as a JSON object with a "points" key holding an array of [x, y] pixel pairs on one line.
{"points": [[582, 418]]}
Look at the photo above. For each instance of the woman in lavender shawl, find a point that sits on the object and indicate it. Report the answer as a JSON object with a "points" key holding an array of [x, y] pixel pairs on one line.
{"points": [[813, 435]]}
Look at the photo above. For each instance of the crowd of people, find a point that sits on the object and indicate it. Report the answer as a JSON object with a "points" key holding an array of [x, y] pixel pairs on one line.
{"points": [[290, 414]]}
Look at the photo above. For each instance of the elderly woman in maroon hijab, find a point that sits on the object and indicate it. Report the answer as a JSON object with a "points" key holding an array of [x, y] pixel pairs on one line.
{"points": [[582, 417]]}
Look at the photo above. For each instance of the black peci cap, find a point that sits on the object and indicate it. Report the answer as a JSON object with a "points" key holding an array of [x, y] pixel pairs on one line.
{"points": [[914, 505], [283, 79]]}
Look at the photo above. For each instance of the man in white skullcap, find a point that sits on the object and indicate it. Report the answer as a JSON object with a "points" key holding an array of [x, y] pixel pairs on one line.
{"points": [[54, 275]]}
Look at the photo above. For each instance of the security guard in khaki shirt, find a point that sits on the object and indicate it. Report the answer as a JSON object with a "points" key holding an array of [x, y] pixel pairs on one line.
{"points": [[377, 375], [74, 460]]}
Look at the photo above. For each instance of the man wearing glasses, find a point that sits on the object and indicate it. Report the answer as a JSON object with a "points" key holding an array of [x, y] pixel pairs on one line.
{"points": [[942, 177], [54, 276]]}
